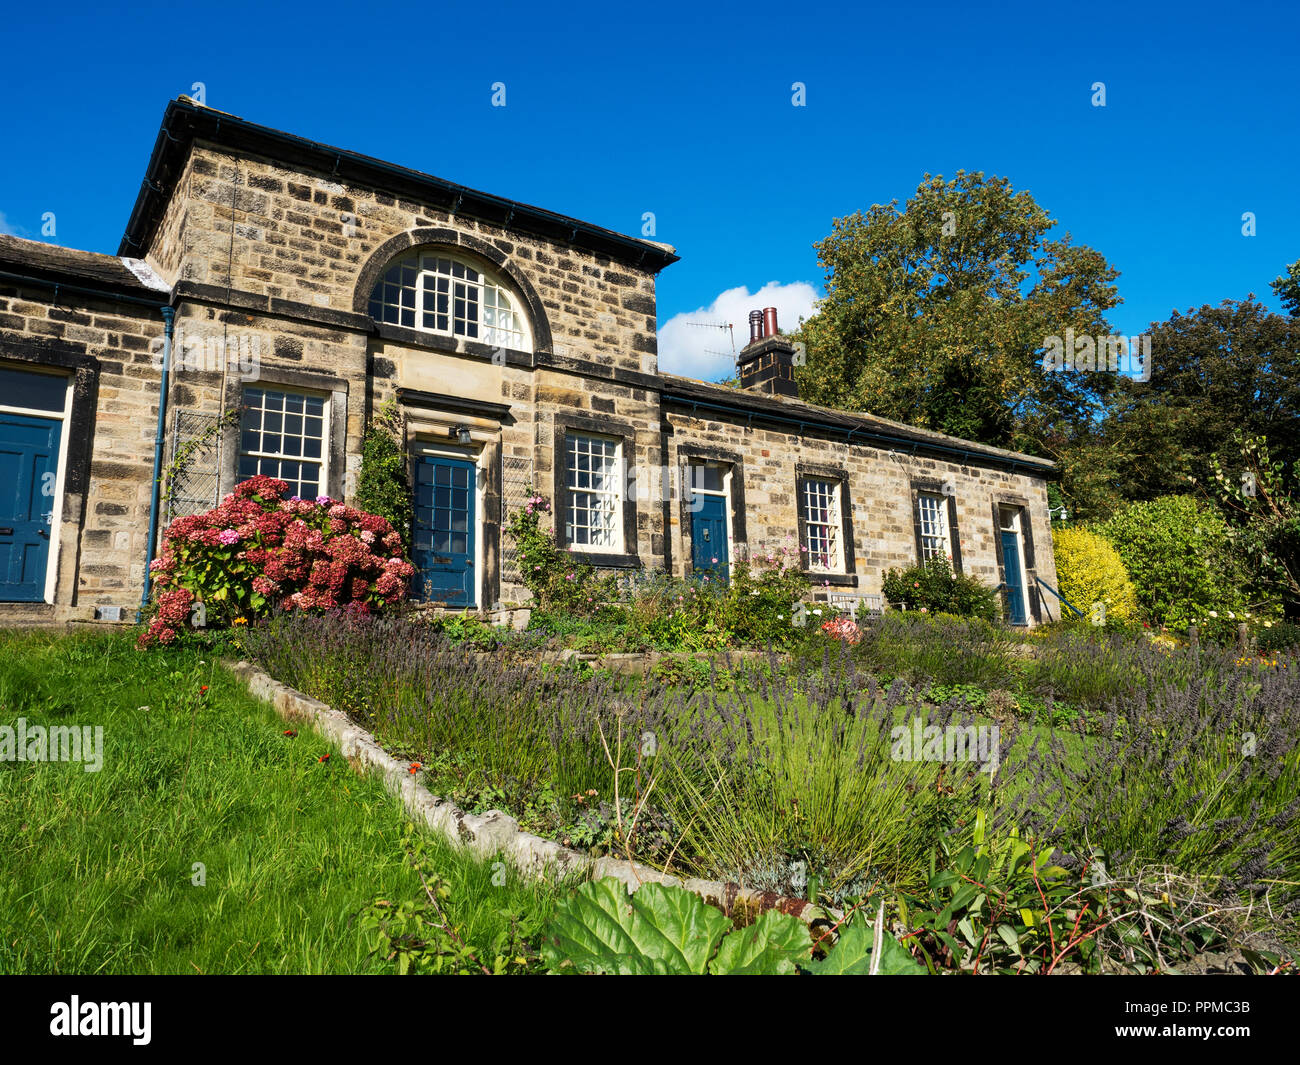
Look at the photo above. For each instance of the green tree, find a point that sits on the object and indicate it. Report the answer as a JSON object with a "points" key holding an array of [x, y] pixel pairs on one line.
{"points": [[938, 315], [383, 486], [1287, 289], [1260, 496], [1214, 371]]}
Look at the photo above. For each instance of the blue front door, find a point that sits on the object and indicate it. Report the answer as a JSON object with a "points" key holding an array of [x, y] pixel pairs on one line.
{"points": [[29, 465], [1015, 587], [444, 531], [709, 535]]}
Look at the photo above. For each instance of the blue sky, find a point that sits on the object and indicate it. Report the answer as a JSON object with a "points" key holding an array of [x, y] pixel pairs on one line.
{"points": [[686, 111]]}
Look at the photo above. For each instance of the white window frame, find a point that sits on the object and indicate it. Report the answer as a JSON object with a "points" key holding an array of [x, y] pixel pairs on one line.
{"points": [[326, 434], [833, 525], [484, 283], [64, 416], [613, 494], [937, 543]]}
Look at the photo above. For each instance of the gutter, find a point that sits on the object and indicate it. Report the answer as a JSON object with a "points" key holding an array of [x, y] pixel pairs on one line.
{"points": [[894, 442], [104, 292], [169, 318]]}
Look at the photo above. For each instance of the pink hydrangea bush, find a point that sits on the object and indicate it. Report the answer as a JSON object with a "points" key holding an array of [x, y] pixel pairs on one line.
{"points": [[259, 550]]}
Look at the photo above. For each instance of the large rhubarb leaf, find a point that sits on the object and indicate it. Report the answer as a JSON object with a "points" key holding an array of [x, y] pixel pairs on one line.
{"points": [[775, 944], [659, 930]]}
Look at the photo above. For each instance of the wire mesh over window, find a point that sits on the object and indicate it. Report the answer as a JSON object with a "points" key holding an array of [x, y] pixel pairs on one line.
{"points": [[439, 294], [194, 479], [932, 513], [821, 509], [516, 488], [594, 495], [282, 434]]}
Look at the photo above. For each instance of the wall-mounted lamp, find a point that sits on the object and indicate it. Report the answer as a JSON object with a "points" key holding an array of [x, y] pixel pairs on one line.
{"points": [[1065, 514], [461, 433]]}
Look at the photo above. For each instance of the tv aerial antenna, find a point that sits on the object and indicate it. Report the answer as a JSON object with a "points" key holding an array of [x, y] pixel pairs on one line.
{"points": [[727, 327]]}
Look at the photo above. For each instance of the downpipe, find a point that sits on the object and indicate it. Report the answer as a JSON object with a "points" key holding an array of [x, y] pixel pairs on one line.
{"points": [[169, 318]]}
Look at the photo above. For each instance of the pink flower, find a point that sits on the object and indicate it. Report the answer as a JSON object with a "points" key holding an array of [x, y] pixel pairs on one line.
{"points": [[228, 537]]}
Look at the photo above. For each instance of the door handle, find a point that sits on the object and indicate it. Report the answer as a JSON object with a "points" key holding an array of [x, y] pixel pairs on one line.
{"points": [[42, 532], [6, 532]]}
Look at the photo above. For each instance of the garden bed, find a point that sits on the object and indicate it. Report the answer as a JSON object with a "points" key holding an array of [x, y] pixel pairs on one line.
{"points": [[783, 777]]}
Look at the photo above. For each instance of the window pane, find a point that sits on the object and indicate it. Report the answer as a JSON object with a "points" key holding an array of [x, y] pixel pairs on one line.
{"points": [[457, 301], [289, 446], [707, 477], [822, 524], [595, 498]]}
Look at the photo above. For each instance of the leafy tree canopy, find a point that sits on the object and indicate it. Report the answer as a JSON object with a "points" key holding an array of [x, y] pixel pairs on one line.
{"points": [[938, 315], [1287, 288], [1215, 371]]}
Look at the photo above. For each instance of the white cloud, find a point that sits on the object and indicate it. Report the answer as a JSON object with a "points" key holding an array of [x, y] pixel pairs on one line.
{"points": [[7, 229], [686, 347]]}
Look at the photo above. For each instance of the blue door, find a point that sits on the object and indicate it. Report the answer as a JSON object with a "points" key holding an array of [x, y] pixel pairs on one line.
{"points": [[709, 535], [1015, 588], [444, 531], [29, 465]]}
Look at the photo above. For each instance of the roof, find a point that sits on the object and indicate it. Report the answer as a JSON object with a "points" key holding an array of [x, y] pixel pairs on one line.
{"points": [[868, 428], [185, 121], [73, 268]]}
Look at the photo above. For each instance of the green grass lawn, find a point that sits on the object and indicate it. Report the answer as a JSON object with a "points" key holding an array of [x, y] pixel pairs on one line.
{"points": [[97, 869]]}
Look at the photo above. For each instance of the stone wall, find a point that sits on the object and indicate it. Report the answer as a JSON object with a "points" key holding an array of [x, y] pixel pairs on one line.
{"points": [[99, 546], [880, 489], [259, 227]]}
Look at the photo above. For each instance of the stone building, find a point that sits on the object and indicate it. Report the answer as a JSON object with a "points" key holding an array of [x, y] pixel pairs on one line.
{"points": [[303, 286]]}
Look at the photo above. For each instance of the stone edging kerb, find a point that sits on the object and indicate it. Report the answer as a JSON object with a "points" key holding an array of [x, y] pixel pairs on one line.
{"points": [[494, 833]]}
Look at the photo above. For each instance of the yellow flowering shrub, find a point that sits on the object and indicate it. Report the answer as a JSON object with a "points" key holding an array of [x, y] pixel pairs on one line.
{"points": [[1090, 571]]}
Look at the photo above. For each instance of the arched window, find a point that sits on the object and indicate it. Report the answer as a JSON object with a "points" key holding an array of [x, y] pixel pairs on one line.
{"points": [[436, 293]]}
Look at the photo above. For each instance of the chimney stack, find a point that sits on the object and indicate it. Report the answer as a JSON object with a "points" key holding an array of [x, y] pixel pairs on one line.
{"points": [[767, 362]]}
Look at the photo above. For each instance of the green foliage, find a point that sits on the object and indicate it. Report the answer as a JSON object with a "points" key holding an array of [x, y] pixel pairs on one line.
{"points": [[1287, 289], [1180, 557], [935, 589], [862, 950], [667, 930], [755, 607], [468, 629], [936, 314], [1010, 909], [556, 579], [418, 937], [660, 931], [383, 486], [1216, 371], [761, 602], [1260, 495], [1278, 636], [680, 614], [934, 648], [1091, 571]]}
